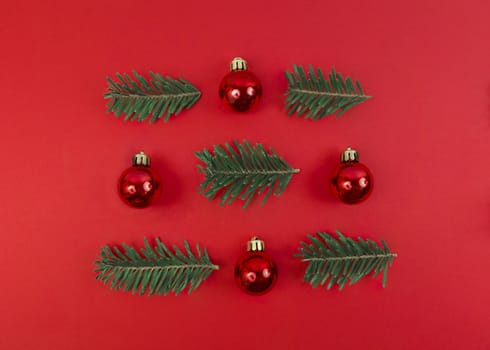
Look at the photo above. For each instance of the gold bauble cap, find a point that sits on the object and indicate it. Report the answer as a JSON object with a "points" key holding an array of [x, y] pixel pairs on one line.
{"points": [[141, 159], [237, 64], [255, 245], [349, 155]]}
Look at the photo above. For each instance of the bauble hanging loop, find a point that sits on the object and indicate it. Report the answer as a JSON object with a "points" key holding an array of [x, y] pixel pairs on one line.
{"points": [[240, 90], [139, 185], [255, 270], [352, 182]]}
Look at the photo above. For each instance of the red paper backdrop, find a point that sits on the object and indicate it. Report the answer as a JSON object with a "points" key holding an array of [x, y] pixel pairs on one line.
{"points": [[424, 135]]}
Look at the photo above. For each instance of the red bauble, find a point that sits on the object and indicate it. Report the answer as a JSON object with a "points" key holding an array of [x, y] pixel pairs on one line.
{"points": [[255, 271], [138, 185], [352, 182], [240, 90]]}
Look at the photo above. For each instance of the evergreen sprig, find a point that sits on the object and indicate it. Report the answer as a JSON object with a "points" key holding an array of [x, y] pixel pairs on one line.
{"points": [[157, 270], [314, 97], [159, 97], [342, 259], [243, 173]]}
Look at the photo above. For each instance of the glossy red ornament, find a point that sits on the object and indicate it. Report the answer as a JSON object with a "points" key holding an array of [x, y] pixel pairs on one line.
{"points": [[139, 185], [352, 182], [240, 90], [255, 270]]}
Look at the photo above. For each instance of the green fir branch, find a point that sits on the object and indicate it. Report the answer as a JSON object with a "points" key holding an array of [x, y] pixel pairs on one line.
{"points": [[156, 270], [340, 260], [160, 97], [243, 172], [314, 97]]}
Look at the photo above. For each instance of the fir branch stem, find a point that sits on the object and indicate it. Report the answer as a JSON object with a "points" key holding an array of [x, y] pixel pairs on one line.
{"points": [[160, 267], [249, 172], [327, 93], [151, 96], [357, 257]]}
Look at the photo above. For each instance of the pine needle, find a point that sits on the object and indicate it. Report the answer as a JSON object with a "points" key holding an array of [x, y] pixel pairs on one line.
{"points": [[243, 172], [340, 260], [160, 97], [157, 270], [313, 97]]}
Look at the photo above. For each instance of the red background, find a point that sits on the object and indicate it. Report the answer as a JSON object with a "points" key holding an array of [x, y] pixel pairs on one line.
{"points": [[424, 135]]}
